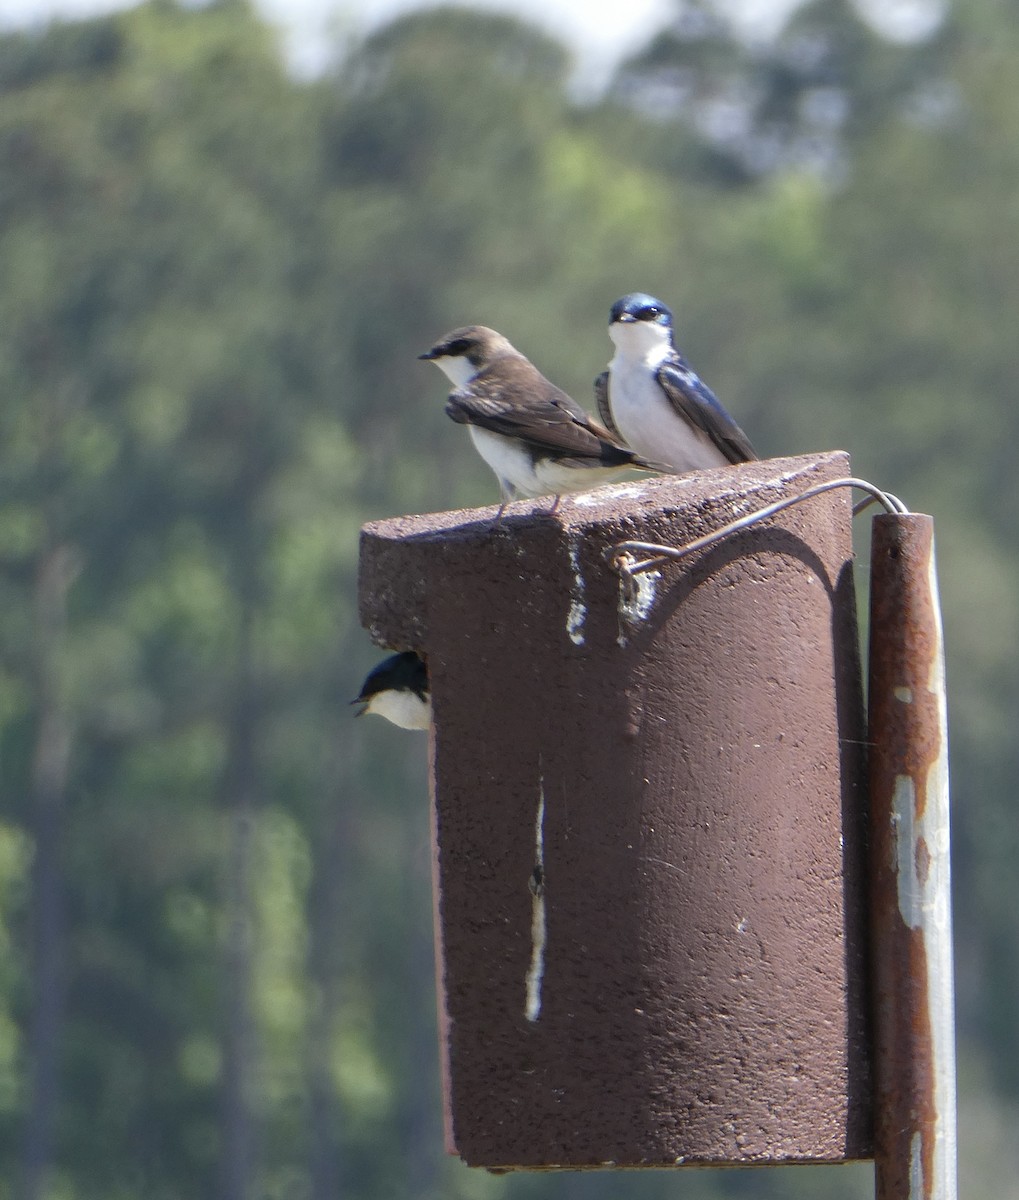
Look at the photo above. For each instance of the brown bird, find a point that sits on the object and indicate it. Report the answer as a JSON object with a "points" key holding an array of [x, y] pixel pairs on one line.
{"points": [[536, 438]]}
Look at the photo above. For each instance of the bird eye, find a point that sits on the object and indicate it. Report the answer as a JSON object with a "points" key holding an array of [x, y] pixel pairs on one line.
{"points": [[651, 312], [460, 346]]}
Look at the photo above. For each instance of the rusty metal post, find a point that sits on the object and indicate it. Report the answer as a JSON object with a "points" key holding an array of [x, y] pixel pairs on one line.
{"points": [[915, 1132]]}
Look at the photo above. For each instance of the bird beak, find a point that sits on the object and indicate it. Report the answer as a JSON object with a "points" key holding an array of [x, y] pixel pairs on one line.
{"points": [[363, 709], [430, 355], [626, 319]]}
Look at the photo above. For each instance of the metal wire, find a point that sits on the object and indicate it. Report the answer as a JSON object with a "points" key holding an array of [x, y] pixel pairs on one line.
{"points": [[621, 556]]}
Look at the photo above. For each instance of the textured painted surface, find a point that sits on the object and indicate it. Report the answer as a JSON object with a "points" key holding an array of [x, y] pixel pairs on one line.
{"points": [[915, 1120], [694, 766]]}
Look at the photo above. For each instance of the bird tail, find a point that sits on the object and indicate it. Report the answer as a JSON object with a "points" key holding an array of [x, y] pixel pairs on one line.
{"points": [[648, 464]]}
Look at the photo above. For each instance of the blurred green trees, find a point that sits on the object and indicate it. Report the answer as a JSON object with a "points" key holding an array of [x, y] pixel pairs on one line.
{"points": [[214, 915]]}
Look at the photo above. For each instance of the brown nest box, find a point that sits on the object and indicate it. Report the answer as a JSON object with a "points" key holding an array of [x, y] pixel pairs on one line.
{"points": [[648, 814]]}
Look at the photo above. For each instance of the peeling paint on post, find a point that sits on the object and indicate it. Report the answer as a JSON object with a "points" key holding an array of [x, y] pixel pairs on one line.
{"points": [[911, 930], [536, 970]]}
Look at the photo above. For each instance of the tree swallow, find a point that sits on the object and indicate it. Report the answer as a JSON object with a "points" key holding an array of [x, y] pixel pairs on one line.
{"points": [[397, 689], [652, 398], [537, 440]]}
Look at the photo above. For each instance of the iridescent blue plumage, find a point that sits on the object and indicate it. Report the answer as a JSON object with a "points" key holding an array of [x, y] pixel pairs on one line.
{"points": [[397, 689], [655, 401]]}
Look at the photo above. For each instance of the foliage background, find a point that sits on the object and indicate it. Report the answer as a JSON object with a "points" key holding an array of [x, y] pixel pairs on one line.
{"points": [[214, 915]]}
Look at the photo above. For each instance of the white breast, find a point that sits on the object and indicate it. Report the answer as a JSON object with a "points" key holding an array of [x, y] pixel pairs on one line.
{"points": [[528, 479], [648, 422], [403, 708], [509, 460]]}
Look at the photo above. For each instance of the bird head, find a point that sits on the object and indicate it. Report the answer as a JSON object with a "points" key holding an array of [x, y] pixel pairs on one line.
{"points": [[640, 321], [462, 353], [397, 689]]}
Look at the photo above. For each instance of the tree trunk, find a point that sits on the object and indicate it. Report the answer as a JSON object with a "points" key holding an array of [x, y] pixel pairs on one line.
{"points": [[326, 949], [239, 1042], [49, 780]]}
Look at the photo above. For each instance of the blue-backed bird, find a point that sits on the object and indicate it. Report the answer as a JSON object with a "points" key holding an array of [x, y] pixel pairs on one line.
{"points": [[652, 398], [397, 689]]}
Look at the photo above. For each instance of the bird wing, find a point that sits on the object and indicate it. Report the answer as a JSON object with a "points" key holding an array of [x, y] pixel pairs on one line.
{"points": [[601, 395], [521, 403], [695, 402]]}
